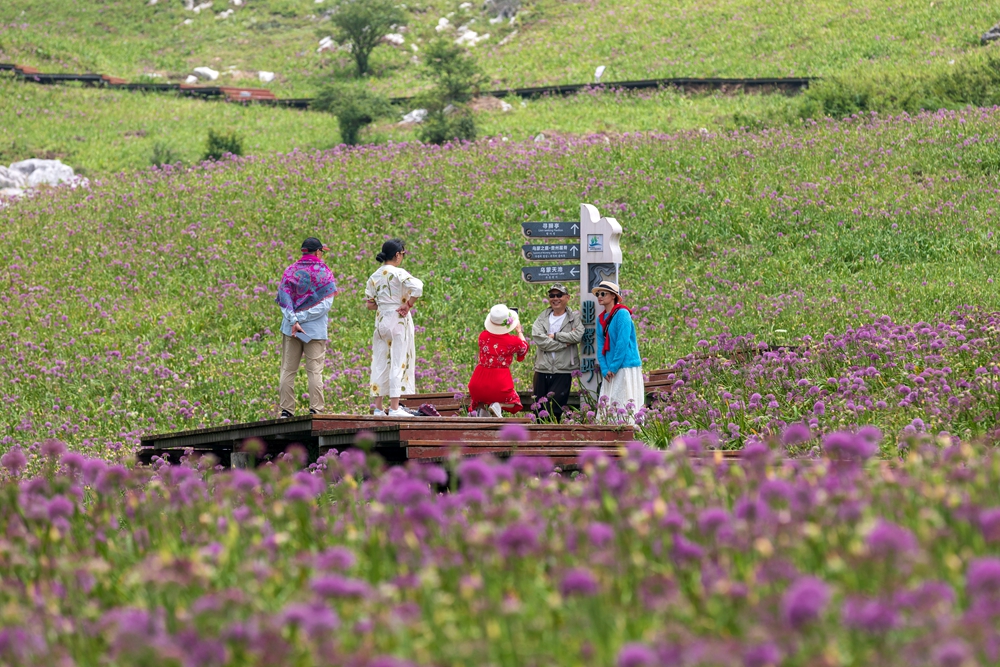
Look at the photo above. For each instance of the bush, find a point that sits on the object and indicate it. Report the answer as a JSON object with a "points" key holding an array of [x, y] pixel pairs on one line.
{"points": [[457, 78], [219, 145], [163, 154], [363, 23], [354, 107]]}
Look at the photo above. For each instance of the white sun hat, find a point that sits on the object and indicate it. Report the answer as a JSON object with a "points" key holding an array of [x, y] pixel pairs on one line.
{"points": [[501, 319]]}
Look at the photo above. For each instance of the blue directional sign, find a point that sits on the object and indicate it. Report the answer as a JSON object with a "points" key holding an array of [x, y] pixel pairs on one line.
{"points": [[559, 230], [550, 251], [551, 274]]}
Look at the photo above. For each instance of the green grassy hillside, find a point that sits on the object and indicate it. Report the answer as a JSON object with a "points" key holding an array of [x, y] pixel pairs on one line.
{"points": [[147, 302], [555, 41]]}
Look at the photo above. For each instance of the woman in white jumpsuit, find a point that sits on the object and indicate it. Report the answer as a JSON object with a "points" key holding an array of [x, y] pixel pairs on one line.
{"points": [[391, 292]]}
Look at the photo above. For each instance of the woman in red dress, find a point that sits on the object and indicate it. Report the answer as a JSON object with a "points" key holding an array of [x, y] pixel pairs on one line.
{"points": [[492, 385]]}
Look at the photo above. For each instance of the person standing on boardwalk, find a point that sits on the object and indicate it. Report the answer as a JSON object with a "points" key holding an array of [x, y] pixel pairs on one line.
{"points": [[622, 391], [556, 335], [305, 296], [392, 292], [492, 384]]}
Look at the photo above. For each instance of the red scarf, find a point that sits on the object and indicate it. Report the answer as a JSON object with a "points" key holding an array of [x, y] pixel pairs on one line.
{"points": [[605, 319]]}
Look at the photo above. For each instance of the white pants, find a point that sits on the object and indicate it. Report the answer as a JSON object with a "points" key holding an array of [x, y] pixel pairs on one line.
{"points": [[393, 355], [625, 390]]}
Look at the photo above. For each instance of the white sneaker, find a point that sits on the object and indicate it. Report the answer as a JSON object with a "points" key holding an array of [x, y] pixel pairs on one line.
{"points": [[378, 413], [496, 410], [399, 413]]}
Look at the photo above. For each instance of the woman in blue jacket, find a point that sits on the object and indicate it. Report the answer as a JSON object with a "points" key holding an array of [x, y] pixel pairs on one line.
{"points": [[618, 357]]}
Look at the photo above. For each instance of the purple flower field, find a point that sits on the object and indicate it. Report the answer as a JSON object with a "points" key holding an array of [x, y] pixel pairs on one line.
{"points": [[661, 558], [866, 247]]}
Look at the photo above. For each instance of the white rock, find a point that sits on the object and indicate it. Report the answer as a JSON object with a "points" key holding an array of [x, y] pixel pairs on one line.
{"points": [[394, 38], [197, 8], [496, 19], [465, 5], [151, 2], [470, 38], [238, 3], [188, 21], [191, 79], [265, 77], [539, 137], [505, 107], [414, 47], [415, 116], [598, 73], [508, 38], [226, 14], [10, 178], [206, 73], [326, 44], [43, 172], [443, 24], [11, 193]]}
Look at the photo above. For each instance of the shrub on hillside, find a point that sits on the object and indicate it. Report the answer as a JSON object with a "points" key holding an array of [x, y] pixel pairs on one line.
{"points": [[363, 23], [163, 154], [457, 78], [354, 107], [218, 145]]}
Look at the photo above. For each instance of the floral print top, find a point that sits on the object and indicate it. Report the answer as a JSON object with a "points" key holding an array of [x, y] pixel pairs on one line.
{"points": [[499, 350], [390, 286]]}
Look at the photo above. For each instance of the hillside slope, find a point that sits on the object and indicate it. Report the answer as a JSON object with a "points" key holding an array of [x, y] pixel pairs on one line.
{"points": [[550, 41], [147, 302]]}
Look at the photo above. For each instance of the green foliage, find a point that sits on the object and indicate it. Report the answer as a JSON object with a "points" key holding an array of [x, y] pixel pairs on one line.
{"points": [[355, 107], [457, 78], [363, 23], [218, 145], [973, 79], [163, 154]]}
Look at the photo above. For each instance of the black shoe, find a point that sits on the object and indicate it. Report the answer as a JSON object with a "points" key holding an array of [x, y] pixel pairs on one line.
{"points": [[313, 412], [285, 414]]}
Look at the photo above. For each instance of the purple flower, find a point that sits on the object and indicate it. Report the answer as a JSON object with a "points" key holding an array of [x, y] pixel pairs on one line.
{"points": [[795, 434], [407, 492], [335, 586], [762, 655], [518, 539], [578, 581], [476, 472], [60, 507], [819, 408], [983, 577], [297, 493], [684, 550], [600, 534], [989, 523], [14, 461], [52, 448], [888, 540], [336, 558], [870, 615], [314, 619], [636, 655], [514, 432], [243, 481], [711, 519], [804, 600], [952, 653], [844, 446]]}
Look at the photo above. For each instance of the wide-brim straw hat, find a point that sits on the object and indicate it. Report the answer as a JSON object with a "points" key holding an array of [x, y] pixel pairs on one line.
{"points": [[607, 286], [501, 319]]}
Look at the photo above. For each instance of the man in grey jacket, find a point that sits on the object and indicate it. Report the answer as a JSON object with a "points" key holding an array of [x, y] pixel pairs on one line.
{"points": [[556, 336]]}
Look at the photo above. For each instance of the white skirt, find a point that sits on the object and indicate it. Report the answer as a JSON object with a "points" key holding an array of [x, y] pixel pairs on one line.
{"points": [[624, 391]]}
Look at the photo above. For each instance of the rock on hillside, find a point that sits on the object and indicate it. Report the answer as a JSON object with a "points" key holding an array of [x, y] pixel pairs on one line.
{"points": [[30, 174]]}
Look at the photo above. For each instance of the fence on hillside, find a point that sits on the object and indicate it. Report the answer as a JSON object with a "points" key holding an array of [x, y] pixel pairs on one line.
{"points": [[788, 85]]}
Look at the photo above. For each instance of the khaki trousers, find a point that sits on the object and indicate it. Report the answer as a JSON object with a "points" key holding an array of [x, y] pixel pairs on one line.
{"points": [[291, 355]]}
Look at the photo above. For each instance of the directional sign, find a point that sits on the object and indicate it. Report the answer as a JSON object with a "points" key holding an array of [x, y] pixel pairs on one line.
{"points": [[550, 251], [558, 230], [550, 274]]}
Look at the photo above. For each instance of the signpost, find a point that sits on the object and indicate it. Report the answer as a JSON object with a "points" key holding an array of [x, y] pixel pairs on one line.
{"points": [[550, 251], [597, 247], [551, 230]]}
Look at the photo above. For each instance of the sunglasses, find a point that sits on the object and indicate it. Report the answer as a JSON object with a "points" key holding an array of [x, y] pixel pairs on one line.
{"points": [[555, 295], [601, 293]]}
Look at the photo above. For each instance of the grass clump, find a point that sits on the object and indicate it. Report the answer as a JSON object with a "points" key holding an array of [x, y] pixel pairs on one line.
{"points": [[220, 144], [355, 108]]}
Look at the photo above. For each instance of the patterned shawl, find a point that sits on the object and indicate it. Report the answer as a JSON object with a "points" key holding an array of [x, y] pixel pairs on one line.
{"points": [[305, 283]]}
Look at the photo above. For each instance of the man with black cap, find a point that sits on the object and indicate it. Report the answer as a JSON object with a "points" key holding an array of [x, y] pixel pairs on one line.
{"points": [[305, 296], [556, 334]]}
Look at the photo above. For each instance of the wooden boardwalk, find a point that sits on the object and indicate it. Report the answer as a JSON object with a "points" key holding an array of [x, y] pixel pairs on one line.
{"points": [[397, 440]]}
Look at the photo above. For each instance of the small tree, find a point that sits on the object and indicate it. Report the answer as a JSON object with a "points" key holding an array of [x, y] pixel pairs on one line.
{"points": [[363, 23], [219, 144], [354, 106], [457, 78]]}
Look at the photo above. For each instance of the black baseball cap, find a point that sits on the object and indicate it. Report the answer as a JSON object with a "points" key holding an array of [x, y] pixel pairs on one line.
{"points": [[312, 244]]}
